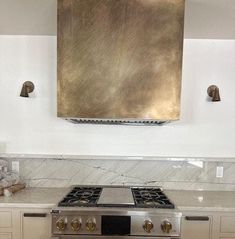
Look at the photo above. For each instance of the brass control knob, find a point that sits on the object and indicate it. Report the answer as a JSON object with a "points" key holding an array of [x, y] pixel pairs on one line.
{"points": [[166, 226], [76, 224], [61, 224], [90, 224], [148, 226]]}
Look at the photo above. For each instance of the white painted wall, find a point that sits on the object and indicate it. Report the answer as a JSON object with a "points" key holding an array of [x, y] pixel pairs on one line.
{"points": [[28, 17], [30, 125]]}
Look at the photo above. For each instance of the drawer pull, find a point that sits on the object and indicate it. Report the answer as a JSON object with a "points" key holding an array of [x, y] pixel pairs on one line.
{"points": [[35, 214], [197, 218]]}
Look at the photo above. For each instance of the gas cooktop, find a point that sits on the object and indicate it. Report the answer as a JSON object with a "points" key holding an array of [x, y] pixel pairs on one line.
{"points": [[138, 197], [81, 196], [104, 212]]}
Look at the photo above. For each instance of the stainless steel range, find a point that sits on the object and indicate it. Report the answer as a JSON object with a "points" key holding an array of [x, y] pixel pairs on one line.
{"points": [[115, 212]]}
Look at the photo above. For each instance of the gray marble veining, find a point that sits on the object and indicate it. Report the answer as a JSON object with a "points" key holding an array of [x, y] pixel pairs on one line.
{"points": [[169, 174]]}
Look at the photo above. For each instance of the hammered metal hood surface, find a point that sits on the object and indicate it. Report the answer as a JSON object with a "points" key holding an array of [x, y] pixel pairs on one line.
{"points": [[120, 60]]}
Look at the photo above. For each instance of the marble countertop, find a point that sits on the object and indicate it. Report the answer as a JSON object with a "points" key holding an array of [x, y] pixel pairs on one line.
{"points": [[35, 198], [184, 200], [203, 200]]}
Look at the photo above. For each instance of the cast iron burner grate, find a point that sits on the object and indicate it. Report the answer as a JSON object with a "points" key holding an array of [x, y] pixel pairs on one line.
{"points": [[82, 196], [151, 198]]}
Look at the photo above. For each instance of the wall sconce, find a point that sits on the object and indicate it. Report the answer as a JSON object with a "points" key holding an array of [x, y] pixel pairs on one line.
{"points": [[27, 88], [213, 92]]}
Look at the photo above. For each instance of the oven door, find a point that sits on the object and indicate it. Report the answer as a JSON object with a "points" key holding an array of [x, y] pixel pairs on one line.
{"points": [[110, 237]]}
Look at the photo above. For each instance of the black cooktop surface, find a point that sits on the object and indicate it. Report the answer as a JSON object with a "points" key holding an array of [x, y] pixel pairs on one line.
{"points": [[144, 197], [151, 198], [82, 196]]}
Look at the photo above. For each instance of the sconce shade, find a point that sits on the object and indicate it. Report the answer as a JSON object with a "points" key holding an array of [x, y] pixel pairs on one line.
{"points": [[27, 88], [213, 92]]}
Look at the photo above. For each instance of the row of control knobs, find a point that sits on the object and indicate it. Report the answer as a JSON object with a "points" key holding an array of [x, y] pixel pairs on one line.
{"points": [[166, 226], [76, 224]]}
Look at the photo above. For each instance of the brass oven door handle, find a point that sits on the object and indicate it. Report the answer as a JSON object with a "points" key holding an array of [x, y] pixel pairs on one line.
{"points": [[197, 218], [35, 214]]}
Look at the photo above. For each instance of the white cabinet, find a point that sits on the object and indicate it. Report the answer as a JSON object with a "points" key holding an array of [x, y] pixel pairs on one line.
{"points": [[6, 223], [195, 227], [227, 226], [36, 224], [25, 223], [5, 236], [5, 219]]}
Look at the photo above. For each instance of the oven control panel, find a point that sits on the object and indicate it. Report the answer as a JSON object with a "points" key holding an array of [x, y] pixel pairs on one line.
{"points": [[121, 225], [155, 226], [84, 224]]}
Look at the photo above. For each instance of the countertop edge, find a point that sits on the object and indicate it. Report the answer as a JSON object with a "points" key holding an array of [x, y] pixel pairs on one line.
{"points": [[178, 209], [27, 205]]}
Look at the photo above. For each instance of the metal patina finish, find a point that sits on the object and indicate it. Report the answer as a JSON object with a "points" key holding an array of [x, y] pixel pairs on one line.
{"points": [[120, 59]]}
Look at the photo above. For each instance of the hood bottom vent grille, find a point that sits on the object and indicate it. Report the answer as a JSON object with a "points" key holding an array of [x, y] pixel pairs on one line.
{"points": [[117, 122]]}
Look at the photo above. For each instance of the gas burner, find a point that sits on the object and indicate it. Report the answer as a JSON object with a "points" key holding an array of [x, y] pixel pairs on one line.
{"points": [[78, 201], [151, 197], [82, 196], [87, 194], [152, 203]]}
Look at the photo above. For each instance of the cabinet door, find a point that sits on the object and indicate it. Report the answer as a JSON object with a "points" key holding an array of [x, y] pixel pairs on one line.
{"points": [[5, 236], [36, 225], [195, 227]]}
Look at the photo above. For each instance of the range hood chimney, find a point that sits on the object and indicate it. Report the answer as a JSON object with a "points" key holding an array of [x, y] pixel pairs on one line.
{"points": [[120, 61]]}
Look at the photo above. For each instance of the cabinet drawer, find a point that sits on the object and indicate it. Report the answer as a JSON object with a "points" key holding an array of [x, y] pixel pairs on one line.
{"points": [[5, 219], [36, 225], [5, 236], [227, 224], [196, 227]]}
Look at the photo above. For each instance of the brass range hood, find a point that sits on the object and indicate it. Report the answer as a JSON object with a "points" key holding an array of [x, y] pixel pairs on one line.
{"points": [[120, 61]]}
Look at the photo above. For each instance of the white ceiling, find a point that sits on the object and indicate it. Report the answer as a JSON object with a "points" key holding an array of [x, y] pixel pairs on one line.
{"points": [[210, 19]]}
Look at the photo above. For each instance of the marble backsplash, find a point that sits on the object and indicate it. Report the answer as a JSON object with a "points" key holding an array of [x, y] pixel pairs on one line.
{"points": [[169, 174]]}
